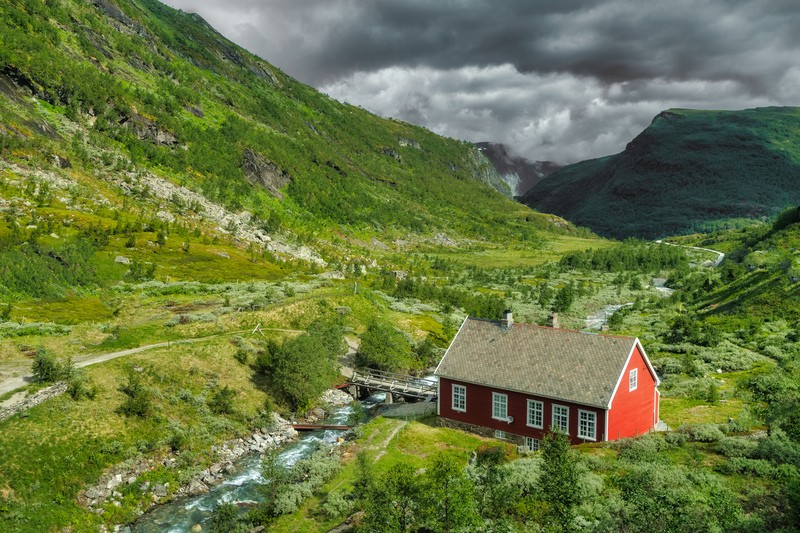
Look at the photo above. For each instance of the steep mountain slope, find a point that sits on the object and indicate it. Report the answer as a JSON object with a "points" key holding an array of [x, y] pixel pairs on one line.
{"points": [[689, 170], [759, 280], [518, 173], [132, 105]]}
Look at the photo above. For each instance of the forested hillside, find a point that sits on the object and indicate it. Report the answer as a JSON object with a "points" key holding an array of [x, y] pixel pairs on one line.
{"points": [[688, 171]]}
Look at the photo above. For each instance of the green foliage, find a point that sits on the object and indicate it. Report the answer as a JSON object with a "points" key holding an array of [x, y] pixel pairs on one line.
{"points": [[285, 489], [449, 504], [631, 255], [383, 347], [225, 519], [138, 397], [702, 432], [221, 401], [46, 368], [688, 171], [394, 501], [41, 271], [558, 488], [306, 365], [79, 385], [669, 498]]}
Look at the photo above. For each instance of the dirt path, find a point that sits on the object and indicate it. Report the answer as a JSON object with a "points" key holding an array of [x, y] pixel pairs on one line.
{"points": [[717, 262], [385, 444], [9, 384]]}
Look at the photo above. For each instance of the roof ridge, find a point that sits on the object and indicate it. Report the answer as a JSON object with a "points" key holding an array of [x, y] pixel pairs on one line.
{"points": [[550, 328]]}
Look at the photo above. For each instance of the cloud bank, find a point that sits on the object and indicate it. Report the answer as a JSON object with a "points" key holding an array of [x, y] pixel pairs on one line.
{"points": [[561, 80]]}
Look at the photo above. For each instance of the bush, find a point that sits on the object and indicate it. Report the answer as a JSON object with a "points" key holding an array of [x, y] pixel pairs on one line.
{"points": [[138, 397], [749, 467], [736, 447], [778, 449], [675, 438], [46, 368], [338, 504], [383, 347], [79, 386], [702, 432], [221, 402], [641, 449]]}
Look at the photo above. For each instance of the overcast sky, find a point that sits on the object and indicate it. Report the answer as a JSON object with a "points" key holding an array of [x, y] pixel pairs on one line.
{"points": [[560, 80]]}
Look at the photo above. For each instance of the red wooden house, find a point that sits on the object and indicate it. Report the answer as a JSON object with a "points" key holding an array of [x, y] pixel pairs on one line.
{"points": [[516, 381]]}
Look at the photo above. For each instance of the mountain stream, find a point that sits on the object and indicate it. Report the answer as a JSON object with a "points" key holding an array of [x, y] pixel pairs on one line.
{"points": [[183, 514]]}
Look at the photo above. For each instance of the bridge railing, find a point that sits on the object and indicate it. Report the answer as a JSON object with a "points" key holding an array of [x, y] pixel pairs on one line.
{"points": [[393, 381]]}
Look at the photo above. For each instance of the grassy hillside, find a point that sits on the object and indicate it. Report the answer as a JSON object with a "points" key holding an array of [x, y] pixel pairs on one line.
{"points": [[688, 171], [101, 94]]}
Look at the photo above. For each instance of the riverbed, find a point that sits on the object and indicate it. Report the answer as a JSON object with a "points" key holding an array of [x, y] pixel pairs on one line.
{"points": [[241, 487]]}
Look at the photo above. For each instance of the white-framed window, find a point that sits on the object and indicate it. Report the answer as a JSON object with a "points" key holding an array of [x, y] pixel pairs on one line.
{"points": [[499, 406], [587, 424], [633, 379], [459, 398], [532, 445], [535, 414], [499, 434], [561, 418]]}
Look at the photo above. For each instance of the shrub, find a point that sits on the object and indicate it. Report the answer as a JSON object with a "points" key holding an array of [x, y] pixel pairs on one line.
{"points": [[138, 397], [338, 504], [668, 365], [641, 449], [778, 449], [383, 347], [46, 368], [750, 467], [736, 447], [222, 401], [79, 386], [675, 438], [702, 432]]}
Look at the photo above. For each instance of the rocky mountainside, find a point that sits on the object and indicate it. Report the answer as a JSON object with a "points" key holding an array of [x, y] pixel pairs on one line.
{"points": [[688, 171], [518, 173]]}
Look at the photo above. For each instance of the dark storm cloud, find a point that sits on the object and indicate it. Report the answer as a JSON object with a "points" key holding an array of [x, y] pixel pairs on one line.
{"points": [[561, 79]]}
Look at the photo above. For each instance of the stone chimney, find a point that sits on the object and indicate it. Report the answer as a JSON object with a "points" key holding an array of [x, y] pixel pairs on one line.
{"points": [[552, 320], [508, 320]]}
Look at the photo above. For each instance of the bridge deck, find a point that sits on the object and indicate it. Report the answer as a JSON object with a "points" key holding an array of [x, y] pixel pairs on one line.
{"points": [[400, 384]]}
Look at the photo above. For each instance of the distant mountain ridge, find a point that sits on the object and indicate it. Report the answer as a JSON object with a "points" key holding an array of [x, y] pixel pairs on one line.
{"points": [[690, 170], [518, 173]]}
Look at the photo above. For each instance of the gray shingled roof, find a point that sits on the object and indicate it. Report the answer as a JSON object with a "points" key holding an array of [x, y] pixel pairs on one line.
{"points": [[555, 363]]}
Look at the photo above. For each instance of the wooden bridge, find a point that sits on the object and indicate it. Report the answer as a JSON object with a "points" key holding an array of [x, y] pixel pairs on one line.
{"points": [[368, 379]]}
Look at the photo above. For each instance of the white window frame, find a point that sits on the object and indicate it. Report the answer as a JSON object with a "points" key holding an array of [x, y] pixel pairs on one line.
{"points": [[500, 400], [633, 380], [587, 419], [532, 444], [500, 434], [459, 391], [558, 427], [535, 411]]}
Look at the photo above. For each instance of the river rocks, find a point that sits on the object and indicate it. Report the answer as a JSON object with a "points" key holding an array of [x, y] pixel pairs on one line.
{"points": [[196, 487], [101, 496], [336, 398]]}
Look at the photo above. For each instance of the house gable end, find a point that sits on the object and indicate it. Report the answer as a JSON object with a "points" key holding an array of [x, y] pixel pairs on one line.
{"points": [[623, 373]]}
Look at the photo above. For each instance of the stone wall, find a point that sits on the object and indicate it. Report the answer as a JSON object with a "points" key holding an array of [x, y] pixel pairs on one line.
{"points": [[479, 430], [32, 400]]}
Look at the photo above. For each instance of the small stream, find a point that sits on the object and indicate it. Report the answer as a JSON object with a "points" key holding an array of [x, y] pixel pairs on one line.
{"points": [[600, 318], [180, 515]]}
